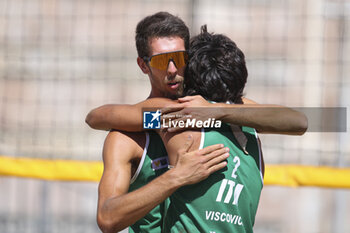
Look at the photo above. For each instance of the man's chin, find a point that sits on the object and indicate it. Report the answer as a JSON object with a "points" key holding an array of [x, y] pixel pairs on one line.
{"points": [[179, 93], [174, 94]]}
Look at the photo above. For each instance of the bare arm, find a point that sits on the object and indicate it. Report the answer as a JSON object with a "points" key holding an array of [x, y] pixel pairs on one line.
{"points": [[264, 118], [124, 117], [117, 208]]}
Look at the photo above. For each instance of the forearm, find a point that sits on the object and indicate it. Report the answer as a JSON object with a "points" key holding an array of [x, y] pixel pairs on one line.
{"points": [[264, 118], [123, 117], [114, 116], [122, 211]]}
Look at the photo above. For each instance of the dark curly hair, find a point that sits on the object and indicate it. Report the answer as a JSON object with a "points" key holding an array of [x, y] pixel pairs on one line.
{"points": [[216, 68], [161, 24]]}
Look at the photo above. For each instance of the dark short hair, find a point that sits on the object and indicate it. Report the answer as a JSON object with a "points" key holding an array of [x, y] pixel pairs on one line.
{"points": [[161, 24], [216, 68]]}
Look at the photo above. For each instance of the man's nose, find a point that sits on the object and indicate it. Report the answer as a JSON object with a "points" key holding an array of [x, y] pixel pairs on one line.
{"points": [[172, 70]]}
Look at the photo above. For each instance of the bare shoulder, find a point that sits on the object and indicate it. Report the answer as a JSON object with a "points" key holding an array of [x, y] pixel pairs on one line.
{"points": [[156, 102], [123, 145]]}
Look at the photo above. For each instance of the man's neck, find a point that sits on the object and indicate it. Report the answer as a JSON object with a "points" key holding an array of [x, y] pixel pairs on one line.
{"points": [[155, 93], [161, 95]]}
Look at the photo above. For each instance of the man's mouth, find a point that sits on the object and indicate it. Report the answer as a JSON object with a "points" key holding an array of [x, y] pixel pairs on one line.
{"points": [[174, 85]]}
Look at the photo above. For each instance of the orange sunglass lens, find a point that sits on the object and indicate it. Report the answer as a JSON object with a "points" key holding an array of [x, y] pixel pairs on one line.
{"points": [[161, 61], [180, 59]]}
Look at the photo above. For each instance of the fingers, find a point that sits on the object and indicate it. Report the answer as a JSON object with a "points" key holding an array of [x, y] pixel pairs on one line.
{"points": [[172, 108], [209, 149], [216, 154], [217, 167], [217, 159], [186, 99]]}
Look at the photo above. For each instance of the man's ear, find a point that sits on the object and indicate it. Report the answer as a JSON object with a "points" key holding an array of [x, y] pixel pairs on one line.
{"points": [[143, 66]]}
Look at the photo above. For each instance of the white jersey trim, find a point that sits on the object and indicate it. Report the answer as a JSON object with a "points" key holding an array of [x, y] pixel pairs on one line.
{"points": [[260, 156], [142, 160], [201, 144]]}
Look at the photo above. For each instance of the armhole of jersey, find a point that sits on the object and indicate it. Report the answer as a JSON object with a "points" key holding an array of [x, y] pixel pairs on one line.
{"points": [[260, 156], [202, 138], [142, 159]]}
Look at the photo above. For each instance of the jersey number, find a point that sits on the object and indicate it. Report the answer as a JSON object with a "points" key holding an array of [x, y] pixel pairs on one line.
{"points": [[233, 188]]}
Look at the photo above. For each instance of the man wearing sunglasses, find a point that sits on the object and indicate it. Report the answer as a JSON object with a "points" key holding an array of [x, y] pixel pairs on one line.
{"points": [[162, 56], [136, 180]]}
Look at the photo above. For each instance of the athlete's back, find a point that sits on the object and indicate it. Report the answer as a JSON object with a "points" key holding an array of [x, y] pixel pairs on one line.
{"points": [[227, 201]]}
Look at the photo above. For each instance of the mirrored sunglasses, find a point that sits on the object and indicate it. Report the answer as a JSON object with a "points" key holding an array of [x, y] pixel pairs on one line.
{"points": [[161, 61]]}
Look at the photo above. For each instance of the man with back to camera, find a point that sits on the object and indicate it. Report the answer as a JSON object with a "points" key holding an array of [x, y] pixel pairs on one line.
{"points": [[111, 213], [227, 200]]}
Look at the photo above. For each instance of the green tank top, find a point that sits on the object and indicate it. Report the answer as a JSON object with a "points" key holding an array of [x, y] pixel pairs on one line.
{"points": [[227, 200], [153, 163]]}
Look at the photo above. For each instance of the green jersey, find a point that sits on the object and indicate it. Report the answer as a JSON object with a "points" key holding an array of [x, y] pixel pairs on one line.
{"points": [[227, 200], [153, 163]]}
